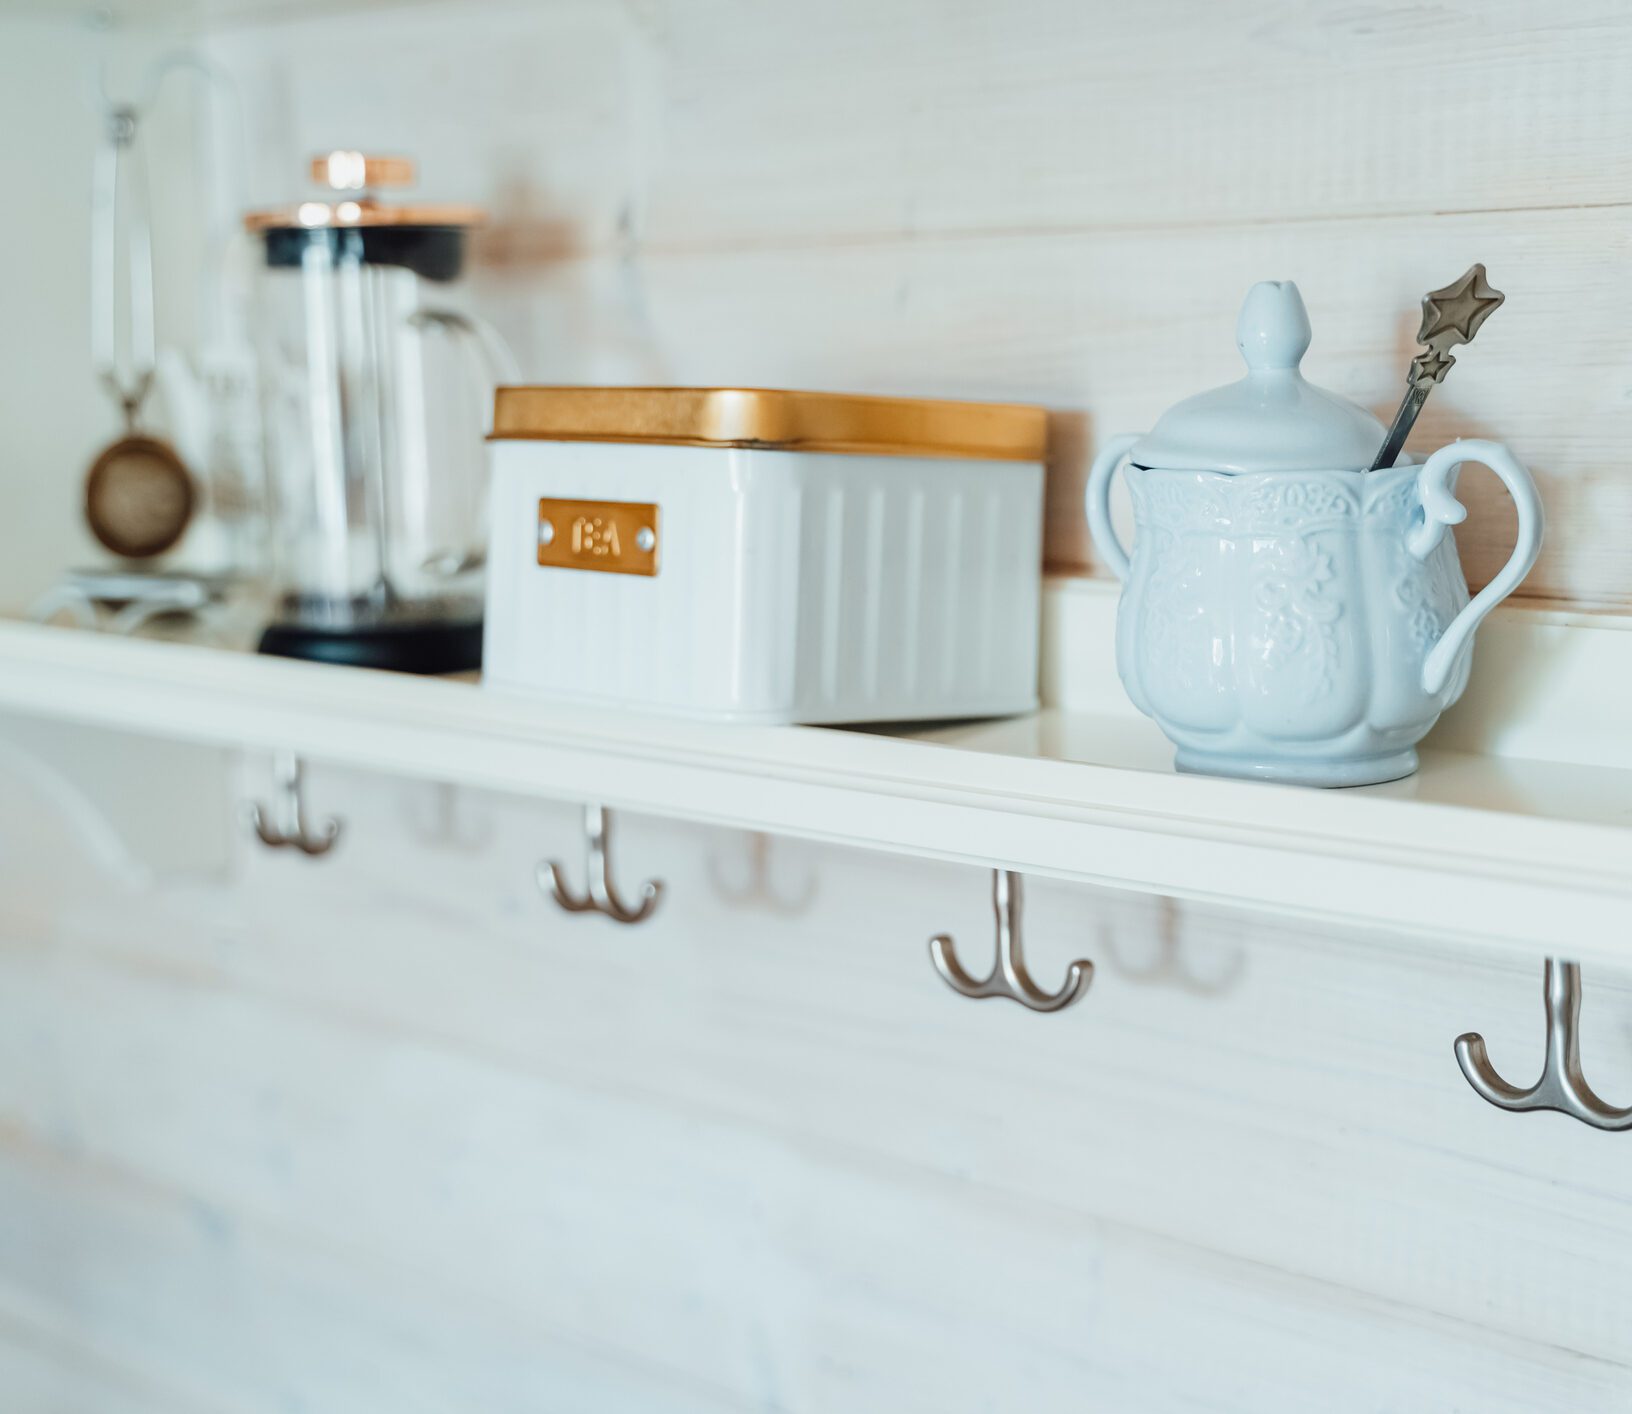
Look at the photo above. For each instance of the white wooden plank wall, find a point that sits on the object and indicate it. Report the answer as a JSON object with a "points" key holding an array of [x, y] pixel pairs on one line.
{"points": [[388, 1132], [1043, 199], [55, 417]]}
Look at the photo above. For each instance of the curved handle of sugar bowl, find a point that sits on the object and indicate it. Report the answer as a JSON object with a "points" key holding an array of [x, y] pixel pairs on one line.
{"points": [[1100, 476], [1441, 509]]}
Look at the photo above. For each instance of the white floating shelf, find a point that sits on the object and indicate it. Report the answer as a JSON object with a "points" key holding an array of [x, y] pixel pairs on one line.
{"points": [[1499, 851]]}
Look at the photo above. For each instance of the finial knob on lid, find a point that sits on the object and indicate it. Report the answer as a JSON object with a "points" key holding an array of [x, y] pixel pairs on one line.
{"points": [[1273, 330], [1273, 419]]}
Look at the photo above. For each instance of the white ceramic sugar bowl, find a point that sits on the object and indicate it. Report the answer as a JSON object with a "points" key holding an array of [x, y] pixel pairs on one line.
{"points": [[1287, 615]]}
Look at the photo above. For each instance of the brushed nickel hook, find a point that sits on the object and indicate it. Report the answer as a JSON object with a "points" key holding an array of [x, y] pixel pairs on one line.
{"points": [[759, 889], [1008, 977], [603, 895], [1168, 966], [444, 825], [1562, 1086], [286, 827]]}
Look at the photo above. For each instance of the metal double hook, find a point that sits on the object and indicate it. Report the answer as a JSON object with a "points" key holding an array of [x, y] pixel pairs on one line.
{"points": [[603, 896], [1168, 965], [1562, 1086], [1008, 977], [286, 825], [759, 889], [445, 825]]}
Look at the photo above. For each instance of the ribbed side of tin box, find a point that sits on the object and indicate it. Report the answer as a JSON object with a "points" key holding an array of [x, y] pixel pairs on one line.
{"points": [[723, 577]]}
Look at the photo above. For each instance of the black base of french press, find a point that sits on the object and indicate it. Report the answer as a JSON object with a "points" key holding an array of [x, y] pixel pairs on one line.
{"points": [[432, 647]]}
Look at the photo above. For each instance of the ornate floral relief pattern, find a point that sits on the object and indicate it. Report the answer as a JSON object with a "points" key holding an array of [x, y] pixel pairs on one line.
{"points": [[1183, 503], [1281, 619], [1422, 621], [1428, 593], [1181, 517], [1296, 614], [1192, 502], [1177, 607], [1395, 504], [1275, 504]]}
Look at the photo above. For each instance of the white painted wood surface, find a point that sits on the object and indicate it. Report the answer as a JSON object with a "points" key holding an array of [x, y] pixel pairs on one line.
{"points": [[54, 416], [1498, 851], [1043, 199], [388, 1132]]}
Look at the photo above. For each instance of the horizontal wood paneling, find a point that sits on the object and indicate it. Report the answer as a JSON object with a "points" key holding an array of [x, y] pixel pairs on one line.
{"points": [[757, 1145], [125, 1278], [1121, 323], [387, 1133], [727, 122], [888, 1317], [47, 1366], [930, 116], [1046, 201]]}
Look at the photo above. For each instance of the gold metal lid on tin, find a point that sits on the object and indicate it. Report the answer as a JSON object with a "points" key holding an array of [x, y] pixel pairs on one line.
{"points": [[345, 172], [774, 419]]}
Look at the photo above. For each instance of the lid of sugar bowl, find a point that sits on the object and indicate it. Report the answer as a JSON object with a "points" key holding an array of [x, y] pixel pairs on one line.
{"points": [[1271, 420]]}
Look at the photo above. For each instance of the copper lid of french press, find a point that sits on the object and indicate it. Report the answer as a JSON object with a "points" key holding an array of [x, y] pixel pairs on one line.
{"points": [[345, 172]]}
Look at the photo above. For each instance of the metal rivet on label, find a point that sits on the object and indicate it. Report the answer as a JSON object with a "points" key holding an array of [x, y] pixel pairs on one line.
{"points": [[546, 532], [645, 539]]}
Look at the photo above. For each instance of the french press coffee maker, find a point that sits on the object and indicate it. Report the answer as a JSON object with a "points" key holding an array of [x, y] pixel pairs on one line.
{"points": [[376, 394]]}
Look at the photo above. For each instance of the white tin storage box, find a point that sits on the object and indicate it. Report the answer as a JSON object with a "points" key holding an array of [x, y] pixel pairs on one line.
{"points": [[761, 556]]}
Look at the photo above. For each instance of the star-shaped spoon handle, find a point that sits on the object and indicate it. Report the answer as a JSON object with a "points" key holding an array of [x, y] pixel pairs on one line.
{"points": [[1449, 317]]}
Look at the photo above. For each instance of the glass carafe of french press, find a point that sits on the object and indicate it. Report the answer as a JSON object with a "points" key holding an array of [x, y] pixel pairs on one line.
{"points": [[376, 395]]}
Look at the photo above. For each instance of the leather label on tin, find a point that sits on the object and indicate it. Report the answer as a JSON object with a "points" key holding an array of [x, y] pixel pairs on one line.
{"points": [[612, 537]]}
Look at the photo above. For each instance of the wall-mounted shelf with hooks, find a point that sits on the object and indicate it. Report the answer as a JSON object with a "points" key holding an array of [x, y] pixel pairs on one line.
{"points": [[1504, 851]]}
